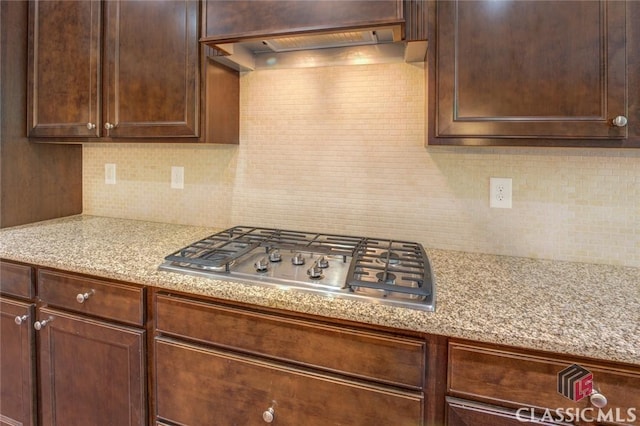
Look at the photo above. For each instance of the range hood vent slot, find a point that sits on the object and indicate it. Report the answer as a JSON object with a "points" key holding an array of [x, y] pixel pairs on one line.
{"points": [[330, 40]]}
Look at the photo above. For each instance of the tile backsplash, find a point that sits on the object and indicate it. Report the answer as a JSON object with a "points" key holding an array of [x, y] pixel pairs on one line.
{"points": [[341, 149]]}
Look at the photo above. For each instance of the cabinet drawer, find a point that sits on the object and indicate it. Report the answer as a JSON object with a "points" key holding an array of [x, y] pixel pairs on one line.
{"points": [[195, 385], [16, 280], [386, 358], [515, 379], [104, 299], [468, 413]]}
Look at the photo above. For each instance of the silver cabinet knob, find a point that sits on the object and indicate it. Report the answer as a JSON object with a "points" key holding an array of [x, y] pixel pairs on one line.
{"points": [[108, 126], [620, 121], [268, 415], [39, 325], [91, 126], [597, 399], [20, 319], [82, 297]]}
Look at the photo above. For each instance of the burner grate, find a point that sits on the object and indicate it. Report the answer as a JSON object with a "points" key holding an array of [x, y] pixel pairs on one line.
{"points": [[375, 261]]}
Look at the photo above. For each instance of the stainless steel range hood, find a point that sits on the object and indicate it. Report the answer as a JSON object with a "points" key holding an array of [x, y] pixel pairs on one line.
{"points": [[352, 47]]}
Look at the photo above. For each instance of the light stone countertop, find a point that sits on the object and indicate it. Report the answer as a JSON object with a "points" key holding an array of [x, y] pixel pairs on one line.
{"points": [[573, 308]]}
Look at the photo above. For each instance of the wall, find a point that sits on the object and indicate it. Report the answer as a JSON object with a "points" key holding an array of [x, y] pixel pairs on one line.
{"points": [[341, 149]]}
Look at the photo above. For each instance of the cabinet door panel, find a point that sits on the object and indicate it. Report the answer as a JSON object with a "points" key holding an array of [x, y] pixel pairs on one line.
{"points": [[151, 74], [541, 69], [92, 373], [64, 68], [17, 369], [198, 386]]}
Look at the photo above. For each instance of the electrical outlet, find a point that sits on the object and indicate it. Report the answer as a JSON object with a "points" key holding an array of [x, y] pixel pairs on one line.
{"points": [[177, 177], [110, 174], [500, 193]]}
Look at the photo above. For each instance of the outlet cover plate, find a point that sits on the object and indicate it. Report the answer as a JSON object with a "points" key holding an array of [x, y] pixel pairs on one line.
{"points": [[500, 193]]}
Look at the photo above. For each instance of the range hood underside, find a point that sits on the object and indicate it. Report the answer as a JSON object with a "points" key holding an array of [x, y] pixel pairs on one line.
{"points": [[371, 46]]}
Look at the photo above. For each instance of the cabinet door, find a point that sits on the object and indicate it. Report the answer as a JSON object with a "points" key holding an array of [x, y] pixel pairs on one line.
{"points": [[64, 68], [199, 386], [151, 74], [17, 366], [92, 372], [528, 70]]}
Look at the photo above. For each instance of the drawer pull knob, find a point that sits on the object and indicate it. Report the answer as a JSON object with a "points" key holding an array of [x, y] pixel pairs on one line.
{"points": [[82, 297], [269, 414], [91, 126], [597, 399], [39, 325], [20, 319], [620, 121]]}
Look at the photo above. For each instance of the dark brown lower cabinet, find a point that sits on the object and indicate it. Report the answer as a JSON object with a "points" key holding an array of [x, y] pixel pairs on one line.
{"points": [[498, 385], [197, 385], [91, 372], [17, 365], [231, 365]]}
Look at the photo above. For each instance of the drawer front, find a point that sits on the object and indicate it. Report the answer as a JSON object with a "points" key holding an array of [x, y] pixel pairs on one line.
{"points": [[467, 413], [195, 385], [521, 380], [91, 296], [394, 360], [16, 280]]}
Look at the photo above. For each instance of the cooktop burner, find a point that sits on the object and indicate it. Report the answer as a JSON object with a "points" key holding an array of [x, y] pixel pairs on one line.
{"points": [[375, 270]]}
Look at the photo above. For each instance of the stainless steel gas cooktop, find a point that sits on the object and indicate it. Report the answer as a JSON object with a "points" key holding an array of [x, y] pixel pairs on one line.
{"points": [[375, 270]]}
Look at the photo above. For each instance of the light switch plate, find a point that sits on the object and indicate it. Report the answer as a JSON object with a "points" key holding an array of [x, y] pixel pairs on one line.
{"points": [[110, 174], [177, 177]]}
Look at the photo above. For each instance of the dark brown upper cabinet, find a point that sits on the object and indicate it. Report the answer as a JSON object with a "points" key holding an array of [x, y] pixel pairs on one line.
{"points": [[114, 69], [547, 73], [234, 20]]}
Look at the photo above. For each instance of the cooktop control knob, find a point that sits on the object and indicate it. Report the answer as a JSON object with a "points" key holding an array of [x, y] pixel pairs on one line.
{"points": [[275, 256], [261, 265], [297, 259], [315, 272], [322, 262]]}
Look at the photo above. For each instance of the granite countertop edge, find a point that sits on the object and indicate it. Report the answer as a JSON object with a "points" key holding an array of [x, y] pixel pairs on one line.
{"points": [[571, 308]]}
